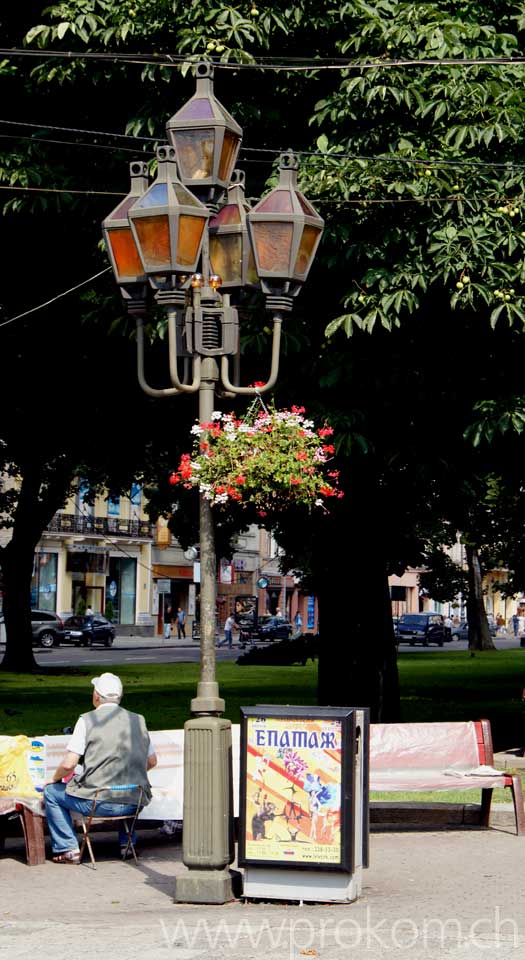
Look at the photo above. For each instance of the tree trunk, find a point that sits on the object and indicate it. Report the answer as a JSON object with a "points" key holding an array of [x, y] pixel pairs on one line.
{"points": [[37, 503], [479, 637], [358, 656], [17, 570]]}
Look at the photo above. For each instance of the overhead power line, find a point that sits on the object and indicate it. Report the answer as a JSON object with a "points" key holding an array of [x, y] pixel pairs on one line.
{"points": [[266, 64], [64, 293], [270, 152]]}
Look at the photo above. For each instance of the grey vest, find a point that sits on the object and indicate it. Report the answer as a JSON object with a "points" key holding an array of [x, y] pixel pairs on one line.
{"points": [[117, 744]]}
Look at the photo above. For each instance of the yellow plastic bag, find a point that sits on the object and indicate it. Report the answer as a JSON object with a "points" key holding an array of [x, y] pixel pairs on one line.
{"points": [[15, 779]]}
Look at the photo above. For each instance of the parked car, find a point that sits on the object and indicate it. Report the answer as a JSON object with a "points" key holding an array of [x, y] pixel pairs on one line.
{"points": [[274, 628], [461, 631], [424, 628], [47, 628], [87, 630]]}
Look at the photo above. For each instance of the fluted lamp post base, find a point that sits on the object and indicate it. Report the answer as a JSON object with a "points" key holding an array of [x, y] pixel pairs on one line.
{"points": [[208, 841]]}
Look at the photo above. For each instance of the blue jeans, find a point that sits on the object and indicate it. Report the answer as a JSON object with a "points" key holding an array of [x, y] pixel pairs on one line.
{"points": [[58, 805], [227, 638]]}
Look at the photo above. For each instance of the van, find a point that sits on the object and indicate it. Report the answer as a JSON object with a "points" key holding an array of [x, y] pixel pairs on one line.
{"points": [[424, 628]]}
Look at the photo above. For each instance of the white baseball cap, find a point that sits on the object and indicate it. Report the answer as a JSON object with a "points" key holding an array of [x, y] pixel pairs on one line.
{"points": [[108, 685]]}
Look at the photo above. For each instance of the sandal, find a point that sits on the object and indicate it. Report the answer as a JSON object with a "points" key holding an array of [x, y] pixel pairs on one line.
{"points": [[68, 856]]}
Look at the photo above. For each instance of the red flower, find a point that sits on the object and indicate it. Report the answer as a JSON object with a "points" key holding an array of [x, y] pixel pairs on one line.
{"points": [[298, 410], [240, 479], [301, 455], [203, 445], [325, 431], [334, 474], [328, 448], [262, 513], [258, 383], [327, 491], [174, 478], [295, 481], [220, 489]]}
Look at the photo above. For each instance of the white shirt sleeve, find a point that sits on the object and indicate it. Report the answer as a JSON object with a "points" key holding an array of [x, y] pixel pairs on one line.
{"points": [[151, 749], [77, 744]]}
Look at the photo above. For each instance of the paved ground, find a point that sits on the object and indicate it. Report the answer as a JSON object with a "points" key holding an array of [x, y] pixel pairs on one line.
{"points": [[435, 895]]}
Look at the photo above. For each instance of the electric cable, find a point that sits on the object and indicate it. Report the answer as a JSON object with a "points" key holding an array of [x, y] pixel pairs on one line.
{"points": [[64, 293]]}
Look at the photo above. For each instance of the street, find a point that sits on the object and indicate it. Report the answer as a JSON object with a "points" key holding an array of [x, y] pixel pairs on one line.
{"points": [[155, 650]]}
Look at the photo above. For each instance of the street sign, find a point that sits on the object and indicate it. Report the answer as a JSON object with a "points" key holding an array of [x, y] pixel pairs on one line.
{"points": [[262, 583]]}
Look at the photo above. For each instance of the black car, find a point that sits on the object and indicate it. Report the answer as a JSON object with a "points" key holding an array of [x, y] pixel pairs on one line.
{"points": [[86, 630], [421, 628], [47, 628], [274, 628]]}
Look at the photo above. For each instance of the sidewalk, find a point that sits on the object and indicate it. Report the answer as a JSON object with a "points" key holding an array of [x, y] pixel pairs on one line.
{"points": [[427, 896]]}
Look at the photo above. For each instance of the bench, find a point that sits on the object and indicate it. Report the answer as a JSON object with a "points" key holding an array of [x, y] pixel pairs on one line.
{"points": [[438, 756], [403, 757]]}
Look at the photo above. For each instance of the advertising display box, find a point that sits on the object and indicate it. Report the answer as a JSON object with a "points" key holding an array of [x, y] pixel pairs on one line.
{"points": [[304, 801]]}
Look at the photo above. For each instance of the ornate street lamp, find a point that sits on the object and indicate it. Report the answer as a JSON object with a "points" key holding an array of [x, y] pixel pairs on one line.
{"points": [[168, 222], [194, 265], [120, 242], [285, 231], [206, 138], [231, 254]]}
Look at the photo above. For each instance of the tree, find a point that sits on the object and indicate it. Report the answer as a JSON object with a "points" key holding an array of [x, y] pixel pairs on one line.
{"points": [[422, 241]]}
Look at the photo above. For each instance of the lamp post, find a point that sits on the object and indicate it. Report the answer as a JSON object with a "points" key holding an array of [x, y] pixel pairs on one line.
{"points": [[177, 243]]}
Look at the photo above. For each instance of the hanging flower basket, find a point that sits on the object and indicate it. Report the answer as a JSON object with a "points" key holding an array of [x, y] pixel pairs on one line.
{"points": [[270, 460]]}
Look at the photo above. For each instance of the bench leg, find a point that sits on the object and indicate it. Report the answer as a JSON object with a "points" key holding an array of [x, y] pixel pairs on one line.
{"points": [[517, 799], [33, 827], [486, 800]]}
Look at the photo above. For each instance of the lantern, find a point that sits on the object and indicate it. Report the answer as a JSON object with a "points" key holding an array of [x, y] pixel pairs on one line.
{"points": [[231, 255], [120, 242], [205, 136], [168, 222], [285, 231]]}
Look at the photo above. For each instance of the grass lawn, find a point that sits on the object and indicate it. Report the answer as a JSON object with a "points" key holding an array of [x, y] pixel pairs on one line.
{"points": [[434, 686]]}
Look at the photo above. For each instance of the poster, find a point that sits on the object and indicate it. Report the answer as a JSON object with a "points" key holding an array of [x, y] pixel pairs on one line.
{"points": [[292, 779]]}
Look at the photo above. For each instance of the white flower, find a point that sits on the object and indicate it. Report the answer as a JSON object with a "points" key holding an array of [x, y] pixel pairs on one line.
{"points": [[197, 430], [221, 498], [216, 415], [230, 436], [195, 465]]}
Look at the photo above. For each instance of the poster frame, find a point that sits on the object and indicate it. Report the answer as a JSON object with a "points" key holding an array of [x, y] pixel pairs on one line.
{"points": [[347, 717]]}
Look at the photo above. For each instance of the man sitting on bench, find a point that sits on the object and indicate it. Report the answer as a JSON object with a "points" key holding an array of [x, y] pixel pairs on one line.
{"points": [[115, 749]]}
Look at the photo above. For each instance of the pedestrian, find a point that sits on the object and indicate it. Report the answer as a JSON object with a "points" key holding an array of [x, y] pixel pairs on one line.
{"points": [[89, 611], [516, 624], [298, 623], [116, 750], [167, 625], [228, 632], [180, 620], [447, 623]]}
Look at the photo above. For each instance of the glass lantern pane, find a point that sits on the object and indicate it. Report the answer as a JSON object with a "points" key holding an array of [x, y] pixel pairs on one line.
{"points": [[189, 240], [156, 196], [305, 205], [197, 109], [273, 243], [185, 196], [195, 153], [278, 201], [125, 252], [307, 244], [229, 214], [226, 257], [121, 213], [154, 239], [228, 155], [252, 276]]}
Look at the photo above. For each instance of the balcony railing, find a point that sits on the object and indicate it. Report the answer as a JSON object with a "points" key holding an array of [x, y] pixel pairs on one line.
{"points": [[101, 526]]}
